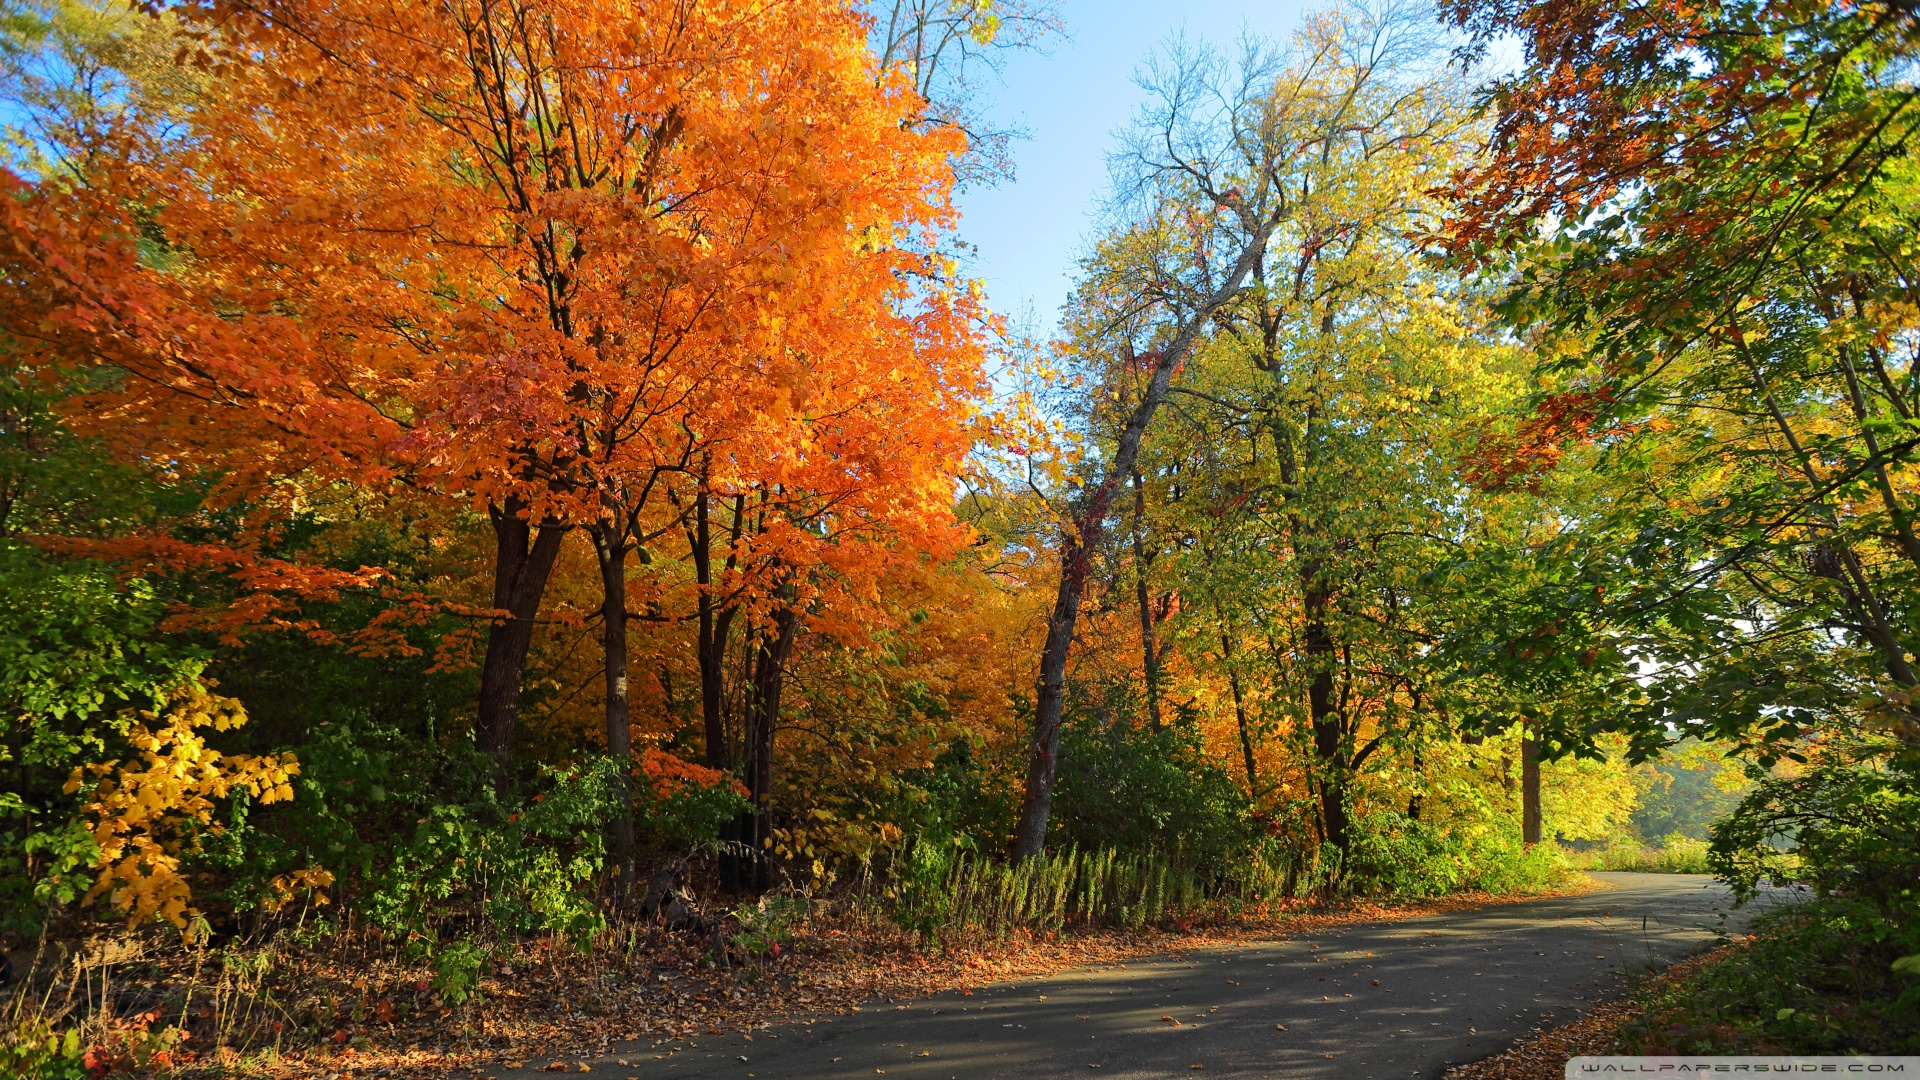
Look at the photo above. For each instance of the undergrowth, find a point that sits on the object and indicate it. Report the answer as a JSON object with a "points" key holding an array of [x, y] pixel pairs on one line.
{"points": [[1805, 983], [1676, 854]]}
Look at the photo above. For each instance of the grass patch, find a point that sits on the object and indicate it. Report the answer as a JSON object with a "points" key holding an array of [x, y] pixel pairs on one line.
{"points": [[1674, 855]]}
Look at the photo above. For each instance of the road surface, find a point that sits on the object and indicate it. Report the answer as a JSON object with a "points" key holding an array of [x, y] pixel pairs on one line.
{"points": [[1390, 1000]]}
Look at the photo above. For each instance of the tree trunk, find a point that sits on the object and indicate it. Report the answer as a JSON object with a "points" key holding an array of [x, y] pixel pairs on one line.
{"points": [[1529, 790], [710, 650], [523, 562], [1240, 713], [1149, 652], [1082, 534], [1323, 714], [1419, 770], [610, 544], [716, 623], [769, 674]]}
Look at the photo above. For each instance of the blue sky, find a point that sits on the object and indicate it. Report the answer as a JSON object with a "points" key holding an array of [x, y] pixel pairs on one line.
{"points": [[1071, 100]]}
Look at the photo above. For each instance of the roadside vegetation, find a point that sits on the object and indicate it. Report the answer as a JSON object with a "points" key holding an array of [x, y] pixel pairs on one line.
{"points": [[512, 508]]}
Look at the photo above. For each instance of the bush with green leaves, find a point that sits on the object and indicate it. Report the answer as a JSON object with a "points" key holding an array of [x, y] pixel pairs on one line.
{"points": [[1803, 984], [768, 923], [529, 870], [1844, 829], [456, 971], [1394, 855], [1127, 788], [687, 817], [1850, 831], [40, 1051], [79, 649]]}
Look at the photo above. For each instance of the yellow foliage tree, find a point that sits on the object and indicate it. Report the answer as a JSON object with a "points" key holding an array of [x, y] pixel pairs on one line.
{"points": [[146, 813]]}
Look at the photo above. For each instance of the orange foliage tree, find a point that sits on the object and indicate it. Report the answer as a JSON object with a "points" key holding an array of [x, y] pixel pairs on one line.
{"points": [[552, 259]]}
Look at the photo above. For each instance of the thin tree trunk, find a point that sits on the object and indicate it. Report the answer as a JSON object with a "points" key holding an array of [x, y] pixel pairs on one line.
{"points": [[1419, 770], [769, 676], [523, 563], [610, 544], [1149, 651], [1082, 536], [1529, 789], [715, 626], [714, 632], [1240, 713]]}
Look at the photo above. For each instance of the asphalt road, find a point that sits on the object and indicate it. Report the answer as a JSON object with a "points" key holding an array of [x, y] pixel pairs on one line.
{"points": [[1390, 1000]]}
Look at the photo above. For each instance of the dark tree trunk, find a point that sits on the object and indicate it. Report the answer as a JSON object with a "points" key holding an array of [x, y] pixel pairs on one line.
{"points": [[1049, 703], [1419, 770], [710, 649], [769, 674], [610, 544], [716, 624], [1530, 790], [1324, 714], [523, 562]]}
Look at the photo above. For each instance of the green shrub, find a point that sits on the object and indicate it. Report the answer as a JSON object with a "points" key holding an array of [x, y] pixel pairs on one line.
{"points": [[35, 1051], [1846, 830], [524, 874], [1850, 832], [1123, 787], [1498, 862], [78, 649], [1677, 854], [456, 971], [1393, 855], [768, 923], [1803, 985]]}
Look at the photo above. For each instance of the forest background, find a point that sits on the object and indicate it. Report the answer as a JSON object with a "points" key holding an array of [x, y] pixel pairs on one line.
{"points": [[485, 473]]}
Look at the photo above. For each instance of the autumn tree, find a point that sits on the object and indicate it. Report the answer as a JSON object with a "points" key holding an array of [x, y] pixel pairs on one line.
{"points": [[1353, 362], [596, 242], [1225, 154], [1706, 214]]}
